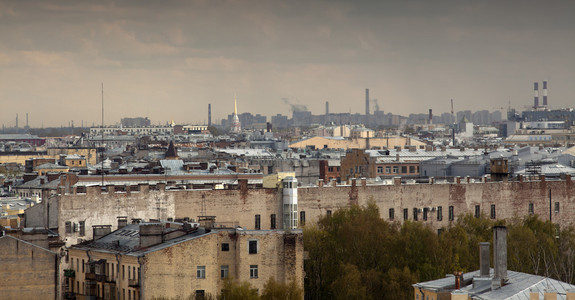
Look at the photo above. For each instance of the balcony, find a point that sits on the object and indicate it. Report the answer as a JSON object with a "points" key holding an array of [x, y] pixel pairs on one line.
{"points": [[133, 282], [70, 273], [95, 277]]}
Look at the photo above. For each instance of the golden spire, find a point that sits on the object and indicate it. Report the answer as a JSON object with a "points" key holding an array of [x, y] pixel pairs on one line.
{"points": [[235, 104]]}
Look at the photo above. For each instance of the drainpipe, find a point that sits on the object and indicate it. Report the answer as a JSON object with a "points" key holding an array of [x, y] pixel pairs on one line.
{"points": [[118, 275], [140, 277]]}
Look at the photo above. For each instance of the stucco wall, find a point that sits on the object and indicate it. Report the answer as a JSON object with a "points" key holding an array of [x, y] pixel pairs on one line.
{"points": [[240, 206]]}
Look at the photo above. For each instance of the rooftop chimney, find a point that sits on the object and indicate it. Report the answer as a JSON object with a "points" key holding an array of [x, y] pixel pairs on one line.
{"points": [[101, 230], [484, 259], [151, 234], [122, 222], [500, 254]]}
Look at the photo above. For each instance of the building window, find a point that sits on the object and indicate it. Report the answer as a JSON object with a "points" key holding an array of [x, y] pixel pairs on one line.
{"points": [[411, 169], [83, 270], [225, 247], [394, 169], [415, 214], [258, 224], [531, 208], [388, 169], [253, 247], [391, 213], [123, 272], [403, 169], [68, 227], [328, 213], [451, 213], [492, 211], [439, 213], [302, 218], [273, 221], [253, 271], [201, 272], [477, 211], [200, 295], [405, 214], [425, 210], [379, 170], [556, 207], [224, 271], [82, 228]]}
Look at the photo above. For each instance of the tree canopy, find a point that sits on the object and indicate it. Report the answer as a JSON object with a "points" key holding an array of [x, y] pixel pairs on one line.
{"points": [[355, 254]]}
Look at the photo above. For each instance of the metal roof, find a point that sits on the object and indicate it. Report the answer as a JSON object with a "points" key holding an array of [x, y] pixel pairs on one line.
{"points": [[518, 286]]}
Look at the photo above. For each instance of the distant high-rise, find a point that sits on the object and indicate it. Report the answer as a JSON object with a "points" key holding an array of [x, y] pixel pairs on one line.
{"points": [[545, 93], [536, 95], [236, 125]]}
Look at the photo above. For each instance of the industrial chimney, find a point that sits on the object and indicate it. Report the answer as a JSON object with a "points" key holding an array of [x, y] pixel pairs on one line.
{"points": [[366, 107], [536, 95], [326, 108], [430, 116], [209, 114], [544, 92]]}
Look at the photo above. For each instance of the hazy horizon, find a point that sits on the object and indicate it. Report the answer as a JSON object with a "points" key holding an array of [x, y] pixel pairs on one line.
{"points": [[167, 60]]}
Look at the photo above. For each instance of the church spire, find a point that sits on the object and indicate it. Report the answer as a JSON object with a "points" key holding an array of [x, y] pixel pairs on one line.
{"points": [[235, 105]]}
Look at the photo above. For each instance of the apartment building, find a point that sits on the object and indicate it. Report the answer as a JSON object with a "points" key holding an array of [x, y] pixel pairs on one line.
{"points": [[176, 260]]}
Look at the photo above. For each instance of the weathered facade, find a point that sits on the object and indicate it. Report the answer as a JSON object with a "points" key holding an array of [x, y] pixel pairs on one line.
{"points": [[434, 203], [194, 262], [27, 271]]}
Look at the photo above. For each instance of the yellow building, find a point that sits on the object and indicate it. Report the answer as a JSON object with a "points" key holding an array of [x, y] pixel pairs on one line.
{"points": [[46, 168], [319, 142], [178, 260]]}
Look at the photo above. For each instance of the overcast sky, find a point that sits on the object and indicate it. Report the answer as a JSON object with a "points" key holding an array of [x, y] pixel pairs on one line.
{"points": [[168, 59]]}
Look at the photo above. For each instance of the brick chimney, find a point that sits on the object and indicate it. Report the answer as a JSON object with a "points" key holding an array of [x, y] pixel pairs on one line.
{"points": [[151, 234]]}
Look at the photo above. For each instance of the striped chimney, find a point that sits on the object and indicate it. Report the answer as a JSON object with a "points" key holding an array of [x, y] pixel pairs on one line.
{"points": [[536, 97], [544, 92]]}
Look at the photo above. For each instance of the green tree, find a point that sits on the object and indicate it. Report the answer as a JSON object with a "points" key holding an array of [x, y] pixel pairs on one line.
{"points": [[274, 290], [234, 290]]}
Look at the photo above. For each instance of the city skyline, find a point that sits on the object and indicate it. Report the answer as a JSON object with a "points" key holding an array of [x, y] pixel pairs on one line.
{"points": [[169, 60]]}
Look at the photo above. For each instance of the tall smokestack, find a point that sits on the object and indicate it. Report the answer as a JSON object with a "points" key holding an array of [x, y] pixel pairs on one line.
{"points": [[366, 107], [544, 92], [327, 107], [536, 97], [430, 116], [210, 114], [367, 102]]}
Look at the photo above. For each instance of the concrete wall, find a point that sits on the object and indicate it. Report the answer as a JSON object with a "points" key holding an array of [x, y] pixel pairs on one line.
{"points": [[27, 271]]}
